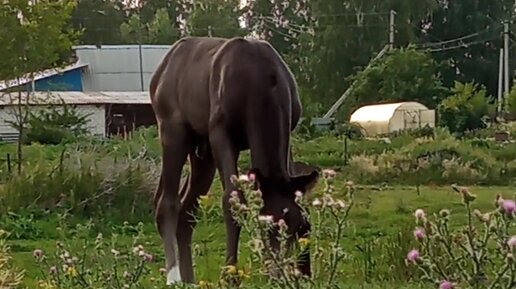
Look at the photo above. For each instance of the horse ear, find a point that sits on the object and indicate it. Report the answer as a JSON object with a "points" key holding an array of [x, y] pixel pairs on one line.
{"points": [[305, 183]]}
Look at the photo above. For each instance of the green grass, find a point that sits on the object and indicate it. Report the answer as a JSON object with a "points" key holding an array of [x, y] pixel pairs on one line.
{"points": [[379, 214], [377, 239]]}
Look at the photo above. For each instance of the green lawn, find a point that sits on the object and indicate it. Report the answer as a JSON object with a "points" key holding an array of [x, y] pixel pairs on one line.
{"points": [[378, 238]]}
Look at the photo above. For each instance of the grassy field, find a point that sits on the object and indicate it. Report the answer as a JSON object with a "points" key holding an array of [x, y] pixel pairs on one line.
{"points": [[106, 187], [379, 235]]}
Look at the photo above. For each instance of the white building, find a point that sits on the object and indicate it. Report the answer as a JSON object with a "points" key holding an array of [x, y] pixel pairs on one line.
{"points": [[107, 111], [382, 119]]}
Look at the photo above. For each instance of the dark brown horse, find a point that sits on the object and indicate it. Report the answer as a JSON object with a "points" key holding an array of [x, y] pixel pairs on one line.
{"points": [[214, 98]]}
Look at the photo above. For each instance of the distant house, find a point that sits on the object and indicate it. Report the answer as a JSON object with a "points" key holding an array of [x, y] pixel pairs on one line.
{"points": [[68, 78], [109, 112], [109, 82]]}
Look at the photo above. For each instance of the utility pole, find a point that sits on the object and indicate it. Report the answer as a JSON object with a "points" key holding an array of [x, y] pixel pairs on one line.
{"points": [[500, 83], [506, 60], [391, 29], [209, 31]]}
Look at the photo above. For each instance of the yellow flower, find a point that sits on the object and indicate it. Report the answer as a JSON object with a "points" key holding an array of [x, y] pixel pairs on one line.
{"points": [[72, 271], [231, 270], [46, 284], [303, 242], [205, 200], [204, 285], [243, 274]]}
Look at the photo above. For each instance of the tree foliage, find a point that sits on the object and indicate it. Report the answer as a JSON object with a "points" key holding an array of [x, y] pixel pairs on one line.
{"points": [[466, 108], [402, 75], [34, 36], [474, 58], [217, 18], [326, 43], [157, 31]]}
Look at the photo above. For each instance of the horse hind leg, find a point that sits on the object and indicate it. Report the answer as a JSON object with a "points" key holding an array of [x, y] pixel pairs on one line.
{"points": [[199, 182], [176, 143]]}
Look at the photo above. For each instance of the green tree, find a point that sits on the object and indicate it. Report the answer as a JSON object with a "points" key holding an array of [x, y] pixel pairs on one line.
{"points": [[35, 36], [474, 58], [100, 21], [160, 30], [348, 36], [511, 102], [218, 18], [402, 75], [289, 26], [466, 108]]}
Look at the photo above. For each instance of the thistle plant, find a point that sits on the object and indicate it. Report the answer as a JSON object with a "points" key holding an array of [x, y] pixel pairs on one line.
{"points": [[102, 264], [10, 276], [478, 255], [280, 266]]}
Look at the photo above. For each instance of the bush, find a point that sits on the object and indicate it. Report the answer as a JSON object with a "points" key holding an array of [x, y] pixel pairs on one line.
{"points": [[466, 108], [55, 125], [86, 184], [402, 75], [511, 103]]}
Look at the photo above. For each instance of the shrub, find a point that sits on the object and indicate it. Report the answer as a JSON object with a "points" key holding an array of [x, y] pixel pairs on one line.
{"points": [[511, 103], [55, 125], [85, 184], [466, 108]]}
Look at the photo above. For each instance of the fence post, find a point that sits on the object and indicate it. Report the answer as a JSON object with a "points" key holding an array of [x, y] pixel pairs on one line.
{"points": [[9, 168]]}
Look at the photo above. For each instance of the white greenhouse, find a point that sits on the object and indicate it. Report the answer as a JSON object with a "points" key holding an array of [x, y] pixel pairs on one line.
{"points": [[386, 118]]}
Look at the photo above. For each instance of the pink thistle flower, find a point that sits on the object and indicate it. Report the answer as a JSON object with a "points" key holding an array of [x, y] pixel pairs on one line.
{"points": [[126, 275], [243, 178], [340, 204], [512, 242], [266, 218], [53, 270], [234, 194], [420, 234], [38, 253], [446, 285], [115, 252], [252, 177], [509, 206], [419, 214], [148, 257], [299, 194], [329, 173], [413, 256], [282, 225]]}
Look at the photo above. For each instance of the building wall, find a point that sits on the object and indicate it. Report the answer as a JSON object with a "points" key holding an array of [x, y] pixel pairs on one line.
{"points": [[117, 67], [96, 120]]}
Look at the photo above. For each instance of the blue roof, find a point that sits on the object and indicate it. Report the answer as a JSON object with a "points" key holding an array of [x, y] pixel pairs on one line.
{"points": [[40, 75]]}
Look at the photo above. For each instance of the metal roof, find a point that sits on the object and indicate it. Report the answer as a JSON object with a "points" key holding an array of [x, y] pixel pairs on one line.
{"points": [[4, 84], [78, 97], [121, 47]]}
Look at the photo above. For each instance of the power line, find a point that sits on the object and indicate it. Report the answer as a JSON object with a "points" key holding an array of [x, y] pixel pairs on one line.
{"points": [[463, 45], [432, 44]]}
